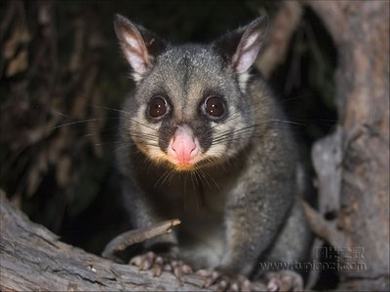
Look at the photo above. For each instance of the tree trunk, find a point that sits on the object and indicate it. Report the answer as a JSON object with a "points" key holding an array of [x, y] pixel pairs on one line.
{"points": [[360, 30]]}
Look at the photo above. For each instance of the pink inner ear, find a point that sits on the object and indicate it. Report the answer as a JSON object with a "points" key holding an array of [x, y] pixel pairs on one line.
{"points": [[131, 41], [135, 52], [247, 53], [136, 62], [250, 41]]}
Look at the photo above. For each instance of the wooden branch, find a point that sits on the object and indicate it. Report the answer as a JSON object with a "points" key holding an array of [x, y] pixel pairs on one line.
{"points": [[32, 258], [323, 229], [327, 158], [282, 29], [126, 239]]}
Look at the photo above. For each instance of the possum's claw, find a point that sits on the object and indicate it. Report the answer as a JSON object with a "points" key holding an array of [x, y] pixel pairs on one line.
{"points": [[145, 261], [224, 282], [210, 277], [157, 264], [284, 281]]}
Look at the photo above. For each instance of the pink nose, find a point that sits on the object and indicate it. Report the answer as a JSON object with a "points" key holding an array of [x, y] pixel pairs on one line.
{"points": [[182, 146]]}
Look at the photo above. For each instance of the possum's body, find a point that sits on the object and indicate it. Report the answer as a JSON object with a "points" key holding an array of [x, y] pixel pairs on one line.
{"points": [[238, 202]]}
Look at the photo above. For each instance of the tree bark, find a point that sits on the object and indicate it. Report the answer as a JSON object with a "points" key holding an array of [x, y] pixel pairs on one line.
{"points": [[281, 31], [360, 30], [278, 39]]}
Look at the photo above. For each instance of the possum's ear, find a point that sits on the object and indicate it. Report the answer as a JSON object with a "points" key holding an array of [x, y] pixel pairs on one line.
{"points": [[241, 47], [139, 45]]}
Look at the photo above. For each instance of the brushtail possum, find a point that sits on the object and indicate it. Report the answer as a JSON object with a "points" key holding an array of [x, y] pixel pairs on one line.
{"points": [[202, 139]]}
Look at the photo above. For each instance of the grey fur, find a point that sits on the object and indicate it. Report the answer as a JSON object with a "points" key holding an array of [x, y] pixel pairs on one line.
{"points": [[242, 206]]}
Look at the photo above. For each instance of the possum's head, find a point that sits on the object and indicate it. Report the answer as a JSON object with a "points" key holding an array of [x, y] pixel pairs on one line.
{"points": [[190, 106]]}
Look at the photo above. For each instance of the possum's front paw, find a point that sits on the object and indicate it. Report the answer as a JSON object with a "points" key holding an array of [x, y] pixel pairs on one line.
{"points": [[284, 281], [158, 263], [226, 282]]}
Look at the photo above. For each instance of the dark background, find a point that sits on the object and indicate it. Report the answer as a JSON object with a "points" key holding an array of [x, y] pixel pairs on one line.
{"points": [[63, 78]]}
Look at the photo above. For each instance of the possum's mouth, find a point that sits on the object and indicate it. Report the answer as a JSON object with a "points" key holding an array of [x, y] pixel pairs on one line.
{"points": [[203, 162], [184, 165], [158, 156]]}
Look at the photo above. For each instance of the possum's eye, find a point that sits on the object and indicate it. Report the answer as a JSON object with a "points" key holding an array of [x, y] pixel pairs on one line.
{"points": [[214, 107], [158, 107]]}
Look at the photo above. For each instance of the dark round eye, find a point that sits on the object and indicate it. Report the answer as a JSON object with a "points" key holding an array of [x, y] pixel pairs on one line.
{"points": [[215, 107], [158, 107]]}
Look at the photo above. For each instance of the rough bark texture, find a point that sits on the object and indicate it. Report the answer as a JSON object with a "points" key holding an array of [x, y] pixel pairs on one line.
{"points": [[281, 31], [360, 31], [32, 258]]}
